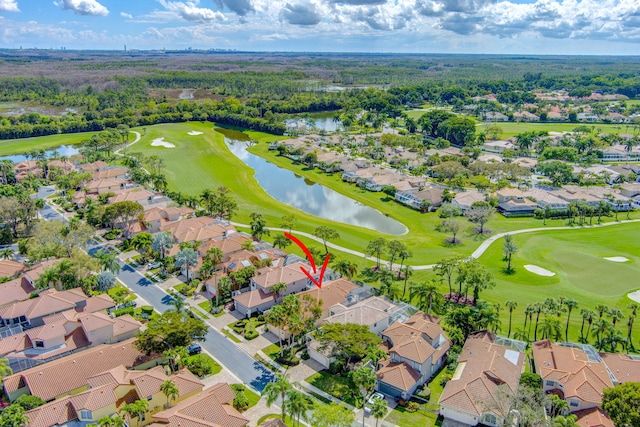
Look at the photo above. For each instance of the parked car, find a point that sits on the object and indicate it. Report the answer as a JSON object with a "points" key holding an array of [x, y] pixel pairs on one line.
{"points": [[367, 407], [194, 349], [154, 265], [128, 304]]}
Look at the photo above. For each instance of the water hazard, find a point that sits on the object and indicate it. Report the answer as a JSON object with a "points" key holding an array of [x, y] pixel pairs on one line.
{"points": [[306, 195]]}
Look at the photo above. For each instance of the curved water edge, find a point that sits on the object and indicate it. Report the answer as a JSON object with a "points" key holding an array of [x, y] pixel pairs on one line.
{"points": [[62, 150], [306, 195]]}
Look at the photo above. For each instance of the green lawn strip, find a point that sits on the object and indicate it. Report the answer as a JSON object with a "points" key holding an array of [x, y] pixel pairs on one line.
{"points": [[252, 397], [339, 387], [267, 363], [319, 397], [23, 145], [421, 418], [205, 305], [272, 351], [510, 129], [231, 336], [199, 313], [215, 368]]}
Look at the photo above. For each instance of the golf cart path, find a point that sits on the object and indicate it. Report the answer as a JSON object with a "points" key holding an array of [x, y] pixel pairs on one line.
{"points": [[476, 254]]}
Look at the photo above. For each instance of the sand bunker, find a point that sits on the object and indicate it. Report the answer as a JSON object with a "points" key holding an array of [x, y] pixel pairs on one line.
{"points": [[160, 142], [194, 132], [539, 270], [617, 259], [635, 296]]}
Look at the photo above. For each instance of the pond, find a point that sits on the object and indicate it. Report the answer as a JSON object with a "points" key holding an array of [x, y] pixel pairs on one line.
{"points": [[321, 121], [63, 150], [304, 194]]}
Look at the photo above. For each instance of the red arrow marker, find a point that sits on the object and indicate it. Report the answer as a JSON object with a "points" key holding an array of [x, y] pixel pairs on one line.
{"points": [[302, 246]]}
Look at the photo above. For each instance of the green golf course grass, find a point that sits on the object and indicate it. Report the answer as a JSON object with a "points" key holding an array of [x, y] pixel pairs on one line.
{"points": [[510, 129], [23, 145]]}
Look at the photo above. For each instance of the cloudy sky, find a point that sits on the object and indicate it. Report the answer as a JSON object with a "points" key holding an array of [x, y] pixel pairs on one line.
{"points": [[420, 26]]}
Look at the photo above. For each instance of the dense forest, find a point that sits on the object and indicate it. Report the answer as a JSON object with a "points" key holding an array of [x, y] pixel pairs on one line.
{"points": [[252, 90]]}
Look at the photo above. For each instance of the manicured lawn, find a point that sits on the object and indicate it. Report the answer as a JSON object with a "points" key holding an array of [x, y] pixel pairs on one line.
{"points": [[272, 351], [252, 397], [421, 418], [339, 387], [23, 145], [231, 336]]}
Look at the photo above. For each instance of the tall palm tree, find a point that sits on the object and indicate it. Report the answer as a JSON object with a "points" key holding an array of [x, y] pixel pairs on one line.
{"points": [[365, 379], [345, 268], [601, 328], [178, 303], [297, 405], [170, 390], [425, 294], [587, 316], [161, 242], [568, 421], [615, 315], [379, 409], [108, 261], [7, 253], [404, 254], [111, 421], [188, 258], [142, 243], [511, 305], [537, 309], [601, 309], [279, 289], [407, 272], [279, 388], [50, 276], [550, 328], [174, 356], [629, 344], [571, 304]]}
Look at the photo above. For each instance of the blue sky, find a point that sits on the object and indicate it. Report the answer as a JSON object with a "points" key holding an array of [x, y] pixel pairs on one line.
{"points": [[415, 26]]}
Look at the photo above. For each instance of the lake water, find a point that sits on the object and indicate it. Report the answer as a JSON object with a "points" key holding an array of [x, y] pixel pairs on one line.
{"points": [[306, 195], [63, 150], [322, 121]]}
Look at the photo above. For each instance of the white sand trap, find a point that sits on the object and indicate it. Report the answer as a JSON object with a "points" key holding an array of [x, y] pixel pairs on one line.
{"points": [[160, 142], [194, 133], [539, 270], [617, 259], [635, 296]]}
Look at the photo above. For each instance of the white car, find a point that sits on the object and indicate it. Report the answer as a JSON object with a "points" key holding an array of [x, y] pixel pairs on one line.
{"points": [[367, 407]]}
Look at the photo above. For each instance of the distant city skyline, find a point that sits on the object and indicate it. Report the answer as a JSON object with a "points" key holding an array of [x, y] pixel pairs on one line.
{"points": [[586, 27]]}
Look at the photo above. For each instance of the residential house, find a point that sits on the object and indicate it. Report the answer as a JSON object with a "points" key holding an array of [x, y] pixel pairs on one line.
{"points": [[156, 216], [212, 407], [526, 162], [140, 195], [10, 268], [465, 199], [494, 116], [489, 158], [449, 151], [108, 391], [619, 153], [261, 297], [200, 229], [94, 167], [574, 373], [112, 172], [577, 194], [23, 170], [360, 175], [630, 189], [593, 417], [377, 313], [63, 165], [31, 312], [487, 373], [417, 350], [512, 202], [34, 273], [102, 186], [331, 293], [623, 367], [65, 333], [378, 182], [498, 146], [15, 290], [546, 200], [609, 176], [525, 116], [427, 199], [70, 373]]}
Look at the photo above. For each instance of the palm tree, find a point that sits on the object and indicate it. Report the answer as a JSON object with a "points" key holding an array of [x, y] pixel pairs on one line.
{"points": [[601, 328], [142, 243], [365, 379], [297, 405], [568, 421], [550, 328], [587, 316], [170, 390], [281, 241], [7, 253], [601, 309], [188, 258], [407, 272], [279, 289], [511, 305], [378, 409], [111, 421], [614, 338], [161, 242], [537, 308], [571, 304], [403, 255], [629, 344], [174, 356], [258, 226], [615, 315], [50, 276], [178, 303], [279, 388], [509, 248], [108, 261], [345, 268], [425, 293]]}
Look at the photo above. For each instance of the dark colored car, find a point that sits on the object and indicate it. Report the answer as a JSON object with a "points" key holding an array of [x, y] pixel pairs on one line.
{"points": [[194, 349]]}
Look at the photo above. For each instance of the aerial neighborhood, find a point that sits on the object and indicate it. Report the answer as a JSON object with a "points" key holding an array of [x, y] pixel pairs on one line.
{"points": [[374, 255]]}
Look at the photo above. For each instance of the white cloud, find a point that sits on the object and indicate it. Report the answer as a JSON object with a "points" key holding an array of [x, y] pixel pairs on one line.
{"points": [[126, 15], [302, 13], [9, 6], [190, 11], [83, 7]]}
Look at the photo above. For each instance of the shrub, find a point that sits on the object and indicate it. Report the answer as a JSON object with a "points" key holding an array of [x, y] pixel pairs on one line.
{"points": [[250, 333], [147, 309], [288, 360], [122, 311], [240, 402], [260, 317], [336, 367], [305, 355], [241, 323], [445, 379], [198, 366], [412, 406]]}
